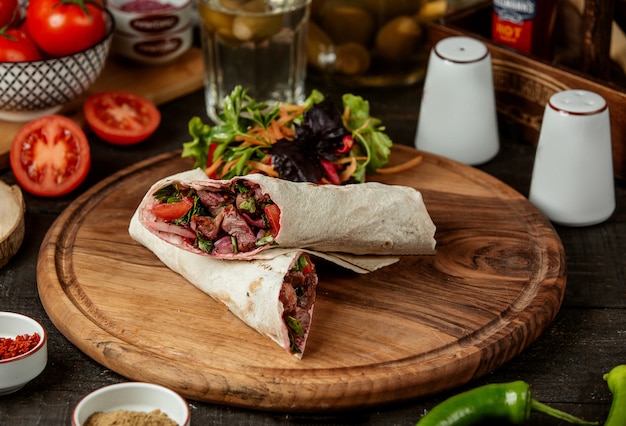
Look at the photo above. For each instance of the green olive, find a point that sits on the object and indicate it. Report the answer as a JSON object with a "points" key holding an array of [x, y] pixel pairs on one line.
{"points": [[432, 10], [254, 6], [233, 4], [388, 9], [348, 24], [214, 21], [352, 59], [320, 48], [256, 27], [398, 38]]}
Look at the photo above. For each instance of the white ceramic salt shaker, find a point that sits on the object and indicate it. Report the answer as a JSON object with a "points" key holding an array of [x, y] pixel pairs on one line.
{"points": [[572, 180], [457, 117]]}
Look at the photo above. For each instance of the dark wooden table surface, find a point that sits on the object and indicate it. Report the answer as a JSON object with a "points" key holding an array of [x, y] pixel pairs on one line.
{"points": [[564, 366]]}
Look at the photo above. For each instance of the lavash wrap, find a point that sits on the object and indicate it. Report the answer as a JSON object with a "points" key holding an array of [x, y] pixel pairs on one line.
{"points": [[374, 221], [250, 289]]}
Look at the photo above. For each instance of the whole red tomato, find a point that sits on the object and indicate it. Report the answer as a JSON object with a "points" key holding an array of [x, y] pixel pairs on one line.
{"points": [[16, 46], [9, 12], [63, 27]]}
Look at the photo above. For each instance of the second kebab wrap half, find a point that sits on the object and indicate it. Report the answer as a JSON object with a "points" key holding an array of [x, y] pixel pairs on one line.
{"points": [[273, 296]]}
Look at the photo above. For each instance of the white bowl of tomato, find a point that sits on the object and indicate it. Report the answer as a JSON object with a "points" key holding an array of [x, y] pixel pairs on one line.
{"points": [[23, 351], [151, 17], [44, 66]]}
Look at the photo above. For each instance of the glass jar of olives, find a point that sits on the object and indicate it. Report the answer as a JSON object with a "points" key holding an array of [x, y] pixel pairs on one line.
{"points": [[370, 42]]}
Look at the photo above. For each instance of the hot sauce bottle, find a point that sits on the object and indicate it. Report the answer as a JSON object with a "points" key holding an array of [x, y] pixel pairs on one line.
{"points": [[525, 25]]}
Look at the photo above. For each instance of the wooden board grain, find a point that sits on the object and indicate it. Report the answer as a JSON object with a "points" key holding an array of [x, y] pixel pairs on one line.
{"points": [[158, 83], [420, 326]]}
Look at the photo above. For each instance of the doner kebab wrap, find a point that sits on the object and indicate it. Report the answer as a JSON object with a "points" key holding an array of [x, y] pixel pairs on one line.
{"points": [[278, 281], [249, 216]]}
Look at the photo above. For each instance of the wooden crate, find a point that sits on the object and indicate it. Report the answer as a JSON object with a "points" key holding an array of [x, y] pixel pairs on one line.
{"points": [[524, 84]]}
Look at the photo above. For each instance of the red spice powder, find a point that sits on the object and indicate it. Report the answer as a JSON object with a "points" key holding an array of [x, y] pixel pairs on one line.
{"points": [[10, 348]]}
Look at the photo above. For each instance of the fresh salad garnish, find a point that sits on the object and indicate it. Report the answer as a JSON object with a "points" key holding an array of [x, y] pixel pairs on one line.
{"points": [[312, 142]]}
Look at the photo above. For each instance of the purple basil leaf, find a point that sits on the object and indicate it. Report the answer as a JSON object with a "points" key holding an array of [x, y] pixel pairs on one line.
{"points": [[318, 137]]}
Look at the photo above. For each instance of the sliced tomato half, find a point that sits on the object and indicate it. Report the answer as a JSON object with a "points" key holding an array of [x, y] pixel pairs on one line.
{"points": [[50, 156], [121, 118], [172, 211], [272, 212]]}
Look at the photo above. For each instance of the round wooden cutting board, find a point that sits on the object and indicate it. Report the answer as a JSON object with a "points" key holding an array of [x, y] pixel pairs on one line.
{"points": [[422, 325]]}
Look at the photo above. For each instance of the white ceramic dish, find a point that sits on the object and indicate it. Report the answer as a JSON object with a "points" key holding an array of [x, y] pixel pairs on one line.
{"points": [[172, 17], [18, 371], [153, 49], [133, 396]]}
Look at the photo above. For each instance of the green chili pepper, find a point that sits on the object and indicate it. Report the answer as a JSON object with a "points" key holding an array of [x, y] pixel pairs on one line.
{"points": [[510, 402], [616, 379]]}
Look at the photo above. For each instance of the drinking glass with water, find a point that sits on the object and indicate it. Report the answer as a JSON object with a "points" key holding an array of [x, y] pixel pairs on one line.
{"points": [[257, 44]]}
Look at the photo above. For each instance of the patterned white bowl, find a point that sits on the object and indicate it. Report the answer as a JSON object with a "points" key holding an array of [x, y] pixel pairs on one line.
{"points": [[32, 89]]}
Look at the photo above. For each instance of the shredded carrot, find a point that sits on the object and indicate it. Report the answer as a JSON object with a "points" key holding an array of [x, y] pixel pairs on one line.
{"points": [[228, 165], [346, 115], [345, 160], [275, 131], [268, 169], [284, 120], [252, 140], [401, 167], [348, 171], [212, 169], [293, 108]]}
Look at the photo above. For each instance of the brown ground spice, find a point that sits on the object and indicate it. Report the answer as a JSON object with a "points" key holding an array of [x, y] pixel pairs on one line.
{"points": [[130, 418]]}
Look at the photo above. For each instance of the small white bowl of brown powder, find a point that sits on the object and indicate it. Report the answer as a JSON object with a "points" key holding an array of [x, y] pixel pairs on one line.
{"points": [[132, 404]]}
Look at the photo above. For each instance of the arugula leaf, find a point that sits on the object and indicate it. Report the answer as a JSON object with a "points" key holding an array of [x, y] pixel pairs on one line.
{"points": [[239, 113], [295, 330], [248, 205], [300, 264], [369, 132], [233, 241], [294, 325], [197, 209], [167, 194], [266, 239], [205, 244], [198, 148]]}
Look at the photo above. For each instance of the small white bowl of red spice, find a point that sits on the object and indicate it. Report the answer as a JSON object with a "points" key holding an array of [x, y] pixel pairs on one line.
{"points": [[23, 351]]}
